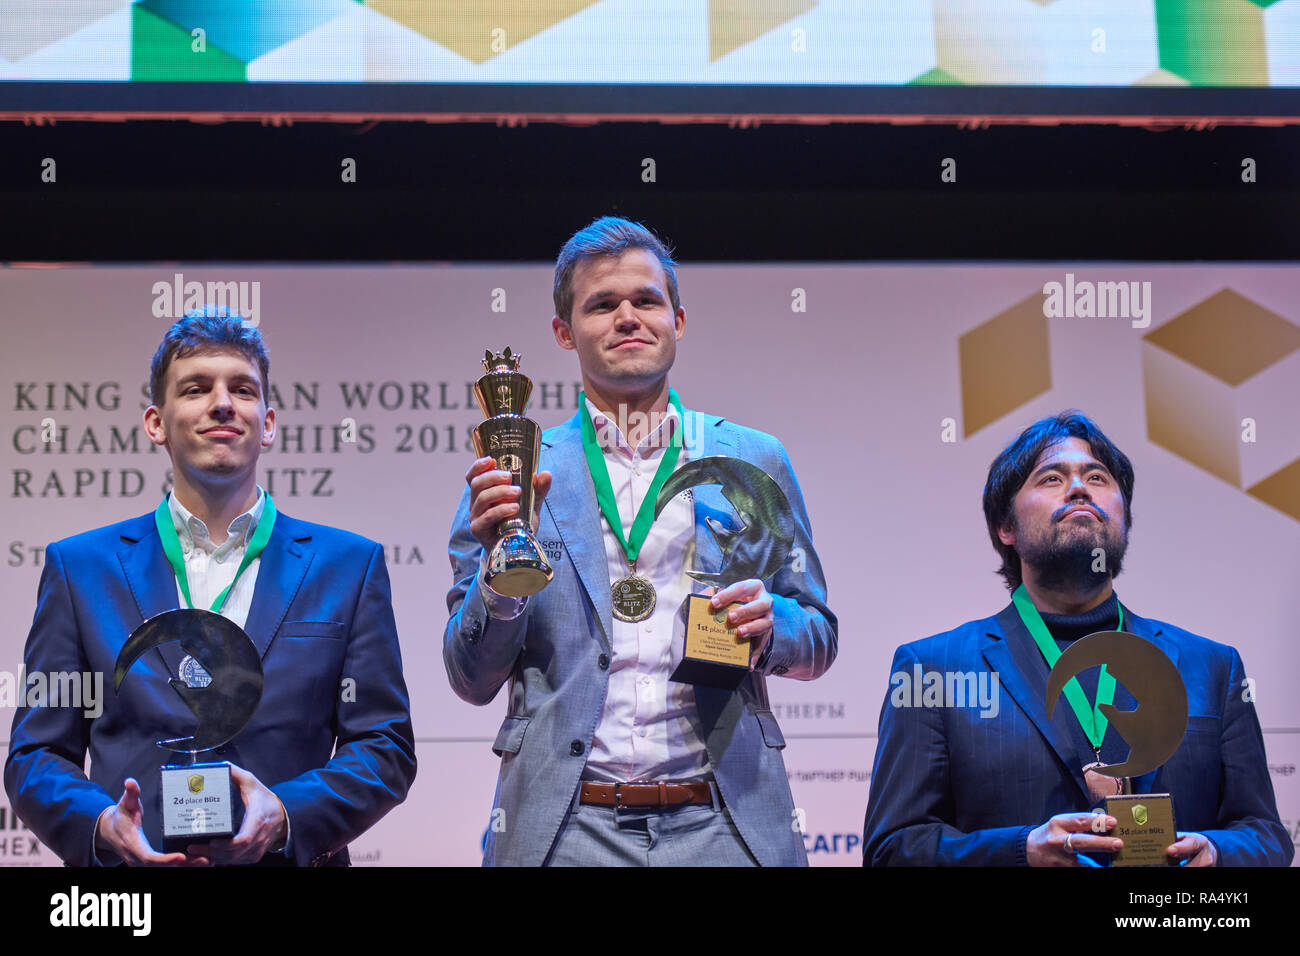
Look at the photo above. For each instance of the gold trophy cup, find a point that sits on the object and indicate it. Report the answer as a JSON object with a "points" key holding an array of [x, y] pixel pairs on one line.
{"points": [[516, 565]]}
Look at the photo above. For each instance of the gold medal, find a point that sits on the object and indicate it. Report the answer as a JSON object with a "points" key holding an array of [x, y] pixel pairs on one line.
{"points": [[632, 597]]}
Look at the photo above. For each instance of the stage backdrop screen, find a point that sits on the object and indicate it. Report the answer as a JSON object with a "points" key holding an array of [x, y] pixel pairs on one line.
{"points": [[624, 57], [892, 388]]}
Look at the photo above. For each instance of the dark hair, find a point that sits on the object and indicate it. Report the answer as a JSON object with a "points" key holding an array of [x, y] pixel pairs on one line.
{"points": [[608, 236], [1011, 469], [213, 327]]}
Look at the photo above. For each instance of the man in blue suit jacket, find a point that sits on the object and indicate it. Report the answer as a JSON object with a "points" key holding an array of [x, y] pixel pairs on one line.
{"points": [[998, 783], [617, 307], [322, 759]]}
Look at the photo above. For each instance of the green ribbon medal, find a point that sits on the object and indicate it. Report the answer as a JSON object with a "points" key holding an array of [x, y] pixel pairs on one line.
{"points": [[171, 543], [632, 597], [1090, 718]]}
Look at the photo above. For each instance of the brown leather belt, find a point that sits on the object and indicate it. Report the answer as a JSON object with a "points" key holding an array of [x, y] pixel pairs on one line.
{"points": [[661, 793]]}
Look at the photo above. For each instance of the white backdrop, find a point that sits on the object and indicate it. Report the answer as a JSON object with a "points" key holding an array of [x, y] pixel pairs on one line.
{"points": [[857, 385]]}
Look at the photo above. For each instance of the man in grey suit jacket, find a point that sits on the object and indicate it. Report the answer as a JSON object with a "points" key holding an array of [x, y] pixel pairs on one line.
{"points": [[617, 307]]}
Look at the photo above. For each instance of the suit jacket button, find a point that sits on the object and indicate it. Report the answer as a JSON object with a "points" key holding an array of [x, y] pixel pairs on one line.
{"points": [[576, 748], [603, 661]]}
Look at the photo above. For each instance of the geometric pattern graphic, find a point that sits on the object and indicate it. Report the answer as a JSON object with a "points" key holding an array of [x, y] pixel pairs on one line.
{"points": [[1117, 43], [1218, 380], [162, 50], [1214, 42], [1005, 362], [733, 23], [1218, 383], [1281, 490], [205, 40], [27, 26], [1004, 42], [471, 29]]}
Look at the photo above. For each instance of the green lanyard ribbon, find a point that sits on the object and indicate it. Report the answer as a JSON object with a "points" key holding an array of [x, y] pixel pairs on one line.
{"points": [[171, 543], [1091, 719], [605, 490]]}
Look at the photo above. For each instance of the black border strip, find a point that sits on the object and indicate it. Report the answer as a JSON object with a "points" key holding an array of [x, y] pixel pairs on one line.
{"points": [[789, 102]]}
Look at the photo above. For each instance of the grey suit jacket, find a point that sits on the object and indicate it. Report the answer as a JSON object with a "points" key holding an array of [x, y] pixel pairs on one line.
{"points": [[555, 655]]}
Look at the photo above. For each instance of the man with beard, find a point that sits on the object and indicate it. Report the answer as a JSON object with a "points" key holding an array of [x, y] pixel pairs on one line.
{"points": [[1004, 785]]}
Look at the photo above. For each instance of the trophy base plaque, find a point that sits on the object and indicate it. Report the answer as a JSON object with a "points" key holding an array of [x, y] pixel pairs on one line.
{"points": [[200, 802], [714, 656], [1145, 822]]}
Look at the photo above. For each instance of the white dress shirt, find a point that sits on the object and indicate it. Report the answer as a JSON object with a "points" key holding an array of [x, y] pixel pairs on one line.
{"points": [[210, 567], [649, 727]]}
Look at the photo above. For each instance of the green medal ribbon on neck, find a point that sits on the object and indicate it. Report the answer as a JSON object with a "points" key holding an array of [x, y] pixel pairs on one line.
{"points": [[171, 543], [1091, 719], [605, 490]]}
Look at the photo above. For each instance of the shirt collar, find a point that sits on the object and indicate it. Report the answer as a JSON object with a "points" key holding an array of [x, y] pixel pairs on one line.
{"points": [[609, 436], [193, 532]]}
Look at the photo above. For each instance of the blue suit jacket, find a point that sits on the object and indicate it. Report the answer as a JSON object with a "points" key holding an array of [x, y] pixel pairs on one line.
{"points": [[551, 655], [950, 787], [321, 612]]}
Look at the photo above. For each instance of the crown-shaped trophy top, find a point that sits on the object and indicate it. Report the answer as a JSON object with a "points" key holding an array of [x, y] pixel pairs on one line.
{"points": [[503, 389], [505, 361]]}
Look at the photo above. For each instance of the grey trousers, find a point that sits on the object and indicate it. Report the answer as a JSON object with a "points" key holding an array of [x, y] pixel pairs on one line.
{"points": [[697, 835]]}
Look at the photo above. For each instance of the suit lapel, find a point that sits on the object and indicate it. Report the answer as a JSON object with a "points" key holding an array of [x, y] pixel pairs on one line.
{"points": [[283, 566], [148, 575], [1152, 632], [152, 584], [576, 515], [1022, 673]]}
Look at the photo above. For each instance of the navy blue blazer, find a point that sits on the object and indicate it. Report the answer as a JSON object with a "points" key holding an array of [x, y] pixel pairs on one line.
{"points": [[338, 756], [950, 787]]}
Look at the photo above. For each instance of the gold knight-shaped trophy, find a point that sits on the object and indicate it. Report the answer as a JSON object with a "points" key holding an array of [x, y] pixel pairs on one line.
{"points": [[516, 565]]}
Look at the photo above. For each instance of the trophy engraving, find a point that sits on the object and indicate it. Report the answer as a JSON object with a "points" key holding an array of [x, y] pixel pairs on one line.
{"points": [[516, 565]]}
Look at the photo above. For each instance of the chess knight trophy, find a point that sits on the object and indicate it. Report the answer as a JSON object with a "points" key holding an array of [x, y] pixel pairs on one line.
{"points": [[1153, 730], [714, 655], [221, 683], [516, 565]]}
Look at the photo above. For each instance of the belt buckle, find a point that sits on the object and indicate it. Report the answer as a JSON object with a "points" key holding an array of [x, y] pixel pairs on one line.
{"points": [[663, 795]]}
